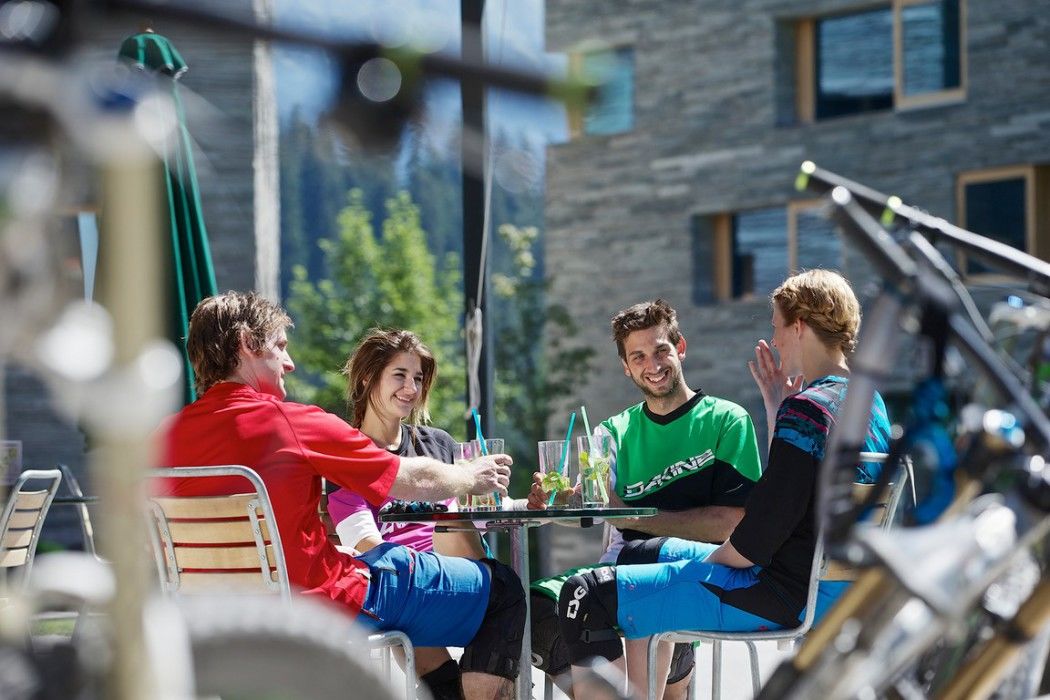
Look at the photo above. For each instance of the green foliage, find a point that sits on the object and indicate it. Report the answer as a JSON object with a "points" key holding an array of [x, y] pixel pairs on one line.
{"points": [[530, 376], [391, 258], [391, 281]]}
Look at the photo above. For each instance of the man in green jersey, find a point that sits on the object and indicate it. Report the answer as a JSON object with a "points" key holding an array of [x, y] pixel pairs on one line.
{"points": [[692, 456]]}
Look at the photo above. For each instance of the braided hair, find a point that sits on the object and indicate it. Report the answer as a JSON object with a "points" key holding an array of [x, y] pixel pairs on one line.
{"points": [[826, 302]]}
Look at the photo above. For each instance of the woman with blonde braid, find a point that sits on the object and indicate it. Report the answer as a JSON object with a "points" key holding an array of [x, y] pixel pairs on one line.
{"points": [[757, 579]]}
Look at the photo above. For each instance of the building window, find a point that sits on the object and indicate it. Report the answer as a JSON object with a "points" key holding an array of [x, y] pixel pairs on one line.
{"points": [[612, 111], [928, 50], [909, 53], [747, 254], [759, 239], [1004, 204], [854, 63], [813, 239]]}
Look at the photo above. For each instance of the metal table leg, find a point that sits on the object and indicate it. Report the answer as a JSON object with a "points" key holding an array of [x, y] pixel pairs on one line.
{"points": [[519, 547]]}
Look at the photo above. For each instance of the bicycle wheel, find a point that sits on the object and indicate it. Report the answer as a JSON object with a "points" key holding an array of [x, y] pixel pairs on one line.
{"points": [[261, 649]]}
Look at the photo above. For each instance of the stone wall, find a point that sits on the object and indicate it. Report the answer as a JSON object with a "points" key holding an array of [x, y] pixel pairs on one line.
{"points": [[709, 137]]}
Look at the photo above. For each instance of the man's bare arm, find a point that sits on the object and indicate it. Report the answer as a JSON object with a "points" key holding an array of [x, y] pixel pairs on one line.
{"points": [[703, 524], [426, 479]]}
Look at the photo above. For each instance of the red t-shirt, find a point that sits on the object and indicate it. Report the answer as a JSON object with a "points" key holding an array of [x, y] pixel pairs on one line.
{"points": [[291, 446]]}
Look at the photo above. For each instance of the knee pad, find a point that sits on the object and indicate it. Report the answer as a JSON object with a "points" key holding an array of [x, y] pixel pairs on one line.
{"points": [[587, 615], [548, 650], [496, 646], [444, 682], [641, 551]]}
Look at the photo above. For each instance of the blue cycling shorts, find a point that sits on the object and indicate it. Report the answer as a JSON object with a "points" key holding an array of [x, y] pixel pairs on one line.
{"points": [[435, 600]]}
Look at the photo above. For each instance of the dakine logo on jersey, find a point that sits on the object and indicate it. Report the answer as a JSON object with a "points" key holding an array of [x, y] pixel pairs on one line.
{"points": [[672, 472]]}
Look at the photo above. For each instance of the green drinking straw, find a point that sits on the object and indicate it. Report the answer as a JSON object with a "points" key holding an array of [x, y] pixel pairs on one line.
{"points": [[590, 442], [587, 427], [484, 448], [564, 456]]}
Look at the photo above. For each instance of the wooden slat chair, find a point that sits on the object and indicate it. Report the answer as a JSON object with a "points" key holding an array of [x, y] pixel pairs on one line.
{"points": [[218, 543], [230, 544], [23, 518], [821, 570]]}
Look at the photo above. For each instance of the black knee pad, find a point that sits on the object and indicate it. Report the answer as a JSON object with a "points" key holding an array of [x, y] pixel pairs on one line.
{"points": [[444, 682], [641, 551], [587, 615], [496, 647], [548, 650], [682, 661]]}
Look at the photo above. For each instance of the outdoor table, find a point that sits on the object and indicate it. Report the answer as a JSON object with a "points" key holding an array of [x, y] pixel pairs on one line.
{"points": [[517, 523], [74, 500]]}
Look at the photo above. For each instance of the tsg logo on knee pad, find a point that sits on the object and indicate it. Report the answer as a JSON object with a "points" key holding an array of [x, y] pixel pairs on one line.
{"points": [[574, 604], [588, 621]]}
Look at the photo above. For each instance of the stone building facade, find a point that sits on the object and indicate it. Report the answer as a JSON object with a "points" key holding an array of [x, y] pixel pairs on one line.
{"points": [[725, 101], [231, 115]]}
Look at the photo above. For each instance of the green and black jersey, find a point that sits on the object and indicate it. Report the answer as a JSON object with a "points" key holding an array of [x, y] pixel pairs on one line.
{"points": [[704, 453]]}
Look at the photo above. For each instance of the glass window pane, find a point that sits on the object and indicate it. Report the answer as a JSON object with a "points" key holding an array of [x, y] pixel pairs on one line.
{"points": [[759, 251], [997, 210], [930, 39], [854, 63], [703, 251], [613, 109], [819, 243]]}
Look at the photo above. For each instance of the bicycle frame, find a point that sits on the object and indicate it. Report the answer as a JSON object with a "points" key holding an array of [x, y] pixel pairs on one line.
{"points": [[880, 603]]}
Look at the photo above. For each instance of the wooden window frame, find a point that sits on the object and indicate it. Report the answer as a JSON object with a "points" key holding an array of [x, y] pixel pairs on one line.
{"points": [[806, 56], [1032, 219], [577, 113], [926, 99]]}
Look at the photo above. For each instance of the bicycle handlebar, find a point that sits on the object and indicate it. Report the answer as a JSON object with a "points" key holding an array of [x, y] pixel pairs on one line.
{"points": [[890, 210]]}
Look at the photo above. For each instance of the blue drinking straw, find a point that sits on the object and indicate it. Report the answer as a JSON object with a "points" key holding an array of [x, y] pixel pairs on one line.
{"points": [[477, 429], [484, 448], [564, 455]]}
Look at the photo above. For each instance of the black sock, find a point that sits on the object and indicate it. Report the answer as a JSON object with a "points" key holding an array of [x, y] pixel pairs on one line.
{"points": [[445, 682]]}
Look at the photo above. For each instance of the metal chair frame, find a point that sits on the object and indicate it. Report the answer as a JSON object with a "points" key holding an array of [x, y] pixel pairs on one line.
{"points": [[23, 518], [260, 512], [785, 636]]}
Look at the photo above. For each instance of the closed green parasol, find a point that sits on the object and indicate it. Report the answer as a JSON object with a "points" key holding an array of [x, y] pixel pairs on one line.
{"points": [[192, 274]]}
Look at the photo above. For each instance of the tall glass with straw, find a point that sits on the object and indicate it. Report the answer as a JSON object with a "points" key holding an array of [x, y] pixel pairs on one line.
{"points": [[560, 478], [487, 501], [595, 455]]}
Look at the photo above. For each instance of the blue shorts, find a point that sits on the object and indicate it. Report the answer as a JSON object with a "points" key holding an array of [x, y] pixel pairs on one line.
{"points": [[435, 600], [679, 594]]}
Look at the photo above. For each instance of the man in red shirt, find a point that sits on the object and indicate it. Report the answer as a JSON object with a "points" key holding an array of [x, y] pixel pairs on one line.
{"points": [[239, 350]]}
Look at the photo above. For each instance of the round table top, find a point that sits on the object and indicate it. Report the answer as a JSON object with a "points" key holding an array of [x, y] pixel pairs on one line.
{"points": [[524, 516]]}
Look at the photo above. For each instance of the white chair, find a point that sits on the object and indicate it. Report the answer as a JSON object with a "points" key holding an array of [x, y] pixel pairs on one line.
{"points": [[23, 518], [231, 544], [784, 637]]}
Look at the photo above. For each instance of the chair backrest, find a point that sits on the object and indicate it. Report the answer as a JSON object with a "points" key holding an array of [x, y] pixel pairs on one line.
{"points": [[209, 544], [887, 505], [24, 515]]}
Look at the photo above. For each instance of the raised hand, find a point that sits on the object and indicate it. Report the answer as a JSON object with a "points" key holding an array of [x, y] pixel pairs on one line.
{"points": [[774, 384], [491, 474]]}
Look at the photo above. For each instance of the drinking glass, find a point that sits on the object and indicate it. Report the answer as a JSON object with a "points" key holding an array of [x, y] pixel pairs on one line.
{"points": [[485, 501], [595, 457], [555, 463], [462, 453]]}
